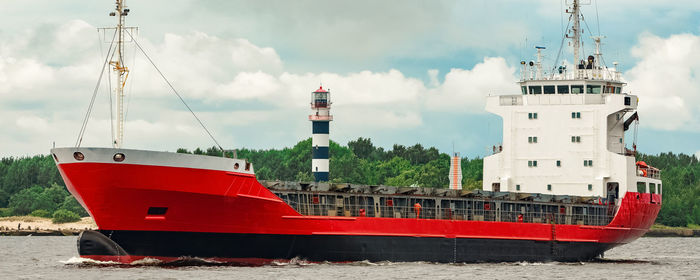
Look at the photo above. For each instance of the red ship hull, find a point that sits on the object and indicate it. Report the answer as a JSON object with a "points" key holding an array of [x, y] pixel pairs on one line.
{"points": [[227, 215]]}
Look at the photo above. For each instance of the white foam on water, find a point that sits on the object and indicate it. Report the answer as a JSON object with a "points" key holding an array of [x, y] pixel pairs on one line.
{"points": [[146, 261], [80, 261], [534, 263], [294, 261]]}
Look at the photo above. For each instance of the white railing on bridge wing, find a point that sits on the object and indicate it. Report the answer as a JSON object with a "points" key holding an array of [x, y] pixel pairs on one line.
{"points": [[649, 172], [578, 74], [552, 99]]}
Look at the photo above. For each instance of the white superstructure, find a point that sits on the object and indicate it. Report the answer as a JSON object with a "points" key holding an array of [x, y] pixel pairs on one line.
{"points": [[564, 133]]}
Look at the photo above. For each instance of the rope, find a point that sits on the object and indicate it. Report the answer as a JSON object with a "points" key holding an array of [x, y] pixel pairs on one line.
{"points": [[131, 87], [109, 89], [111, 106], [94, 94], [175, 92], [561, 48]]}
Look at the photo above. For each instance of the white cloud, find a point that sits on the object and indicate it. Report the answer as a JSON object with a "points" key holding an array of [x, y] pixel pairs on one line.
{"points": [[249, 85], [666, 81], [32, 123], [433, 77], [218, 74], [246, 96], [466, 90]]}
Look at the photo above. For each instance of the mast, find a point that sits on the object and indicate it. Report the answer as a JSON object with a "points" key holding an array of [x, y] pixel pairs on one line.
{"points": [[576, 30], [121, 70]]}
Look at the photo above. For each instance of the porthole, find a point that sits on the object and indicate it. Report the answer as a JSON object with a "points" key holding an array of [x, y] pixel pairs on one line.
{"points": [[78, 156], [119, 157], [236, 165]]}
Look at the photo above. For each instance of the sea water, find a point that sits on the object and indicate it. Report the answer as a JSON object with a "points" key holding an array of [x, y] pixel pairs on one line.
{"points": [[29, 257]]}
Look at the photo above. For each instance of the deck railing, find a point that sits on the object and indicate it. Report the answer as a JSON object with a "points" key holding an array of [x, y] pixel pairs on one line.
{"points": [[649, 172], [320, 204]]}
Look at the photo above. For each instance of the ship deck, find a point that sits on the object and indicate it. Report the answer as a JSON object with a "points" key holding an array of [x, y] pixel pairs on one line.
{"points": [[350, 200]]}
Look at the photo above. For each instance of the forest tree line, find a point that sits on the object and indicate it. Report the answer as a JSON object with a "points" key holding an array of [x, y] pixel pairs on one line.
{"points": [[32, 185]]}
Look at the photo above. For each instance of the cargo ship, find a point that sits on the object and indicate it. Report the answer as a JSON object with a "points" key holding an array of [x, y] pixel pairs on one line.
{"points": [[561, 186]]}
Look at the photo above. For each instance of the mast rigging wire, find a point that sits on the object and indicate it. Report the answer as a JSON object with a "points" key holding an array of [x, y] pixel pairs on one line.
{"points": [[175, 92], [561, 48], [131, 85], [94, 94], [109, 90], [597, 18]]}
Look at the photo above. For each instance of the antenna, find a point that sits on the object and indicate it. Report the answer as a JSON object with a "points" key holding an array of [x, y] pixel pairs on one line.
{"points": [[597, 18], [539, 62], [122, 72], [598, 54]]}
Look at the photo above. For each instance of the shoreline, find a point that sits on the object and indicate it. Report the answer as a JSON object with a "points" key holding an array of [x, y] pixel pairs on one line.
{"points": [[37, 226], [666, 231]]}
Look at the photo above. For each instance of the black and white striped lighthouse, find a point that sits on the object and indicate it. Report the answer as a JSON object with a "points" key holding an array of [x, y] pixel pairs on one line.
{"points": [[320, 119]]}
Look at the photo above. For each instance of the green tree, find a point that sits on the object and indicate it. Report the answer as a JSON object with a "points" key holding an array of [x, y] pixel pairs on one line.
{"points": [[304, 177], [40, 213], [4, 198], [64, 216], [71, 204], [23, 202], [362, 147], [51, 198]]}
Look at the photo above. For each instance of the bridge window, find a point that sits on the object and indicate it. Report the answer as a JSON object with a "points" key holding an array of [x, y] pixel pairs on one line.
{"points": [[523, 89], [593, 89], [535, 89], [563, 89], [652, 188], [576, 89], [608, 89], [549, 90], [641, 187], [618, 90]]}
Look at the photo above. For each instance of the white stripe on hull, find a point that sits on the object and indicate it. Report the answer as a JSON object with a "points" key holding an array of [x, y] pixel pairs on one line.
{"points": [[154, 158]]}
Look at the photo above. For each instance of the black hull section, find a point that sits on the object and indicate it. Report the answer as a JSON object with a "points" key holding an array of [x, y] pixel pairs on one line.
{"points": [[333, 248]]}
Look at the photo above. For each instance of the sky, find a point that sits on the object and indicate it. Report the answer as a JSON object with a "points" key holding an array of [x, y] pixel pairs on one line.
{"points": [[399, 72]]}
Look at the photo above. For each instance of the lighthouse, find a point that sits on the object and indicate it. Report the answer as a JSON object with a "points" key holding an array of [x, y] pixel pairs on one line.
{"points": [[320, 119]]}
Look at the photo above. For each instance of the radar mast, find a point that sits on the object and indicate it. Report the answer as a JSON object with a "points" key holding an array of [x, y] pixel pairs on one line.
{"points": [[121, 70]]}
